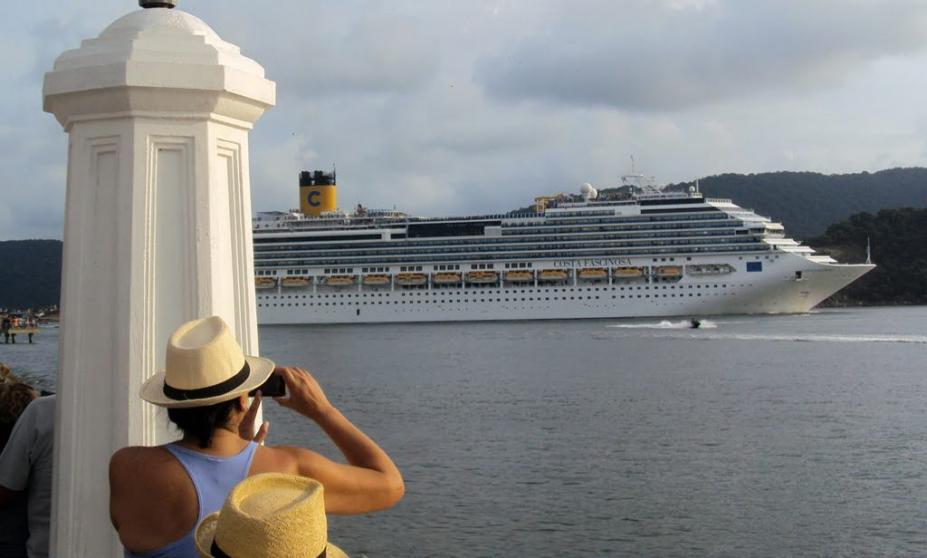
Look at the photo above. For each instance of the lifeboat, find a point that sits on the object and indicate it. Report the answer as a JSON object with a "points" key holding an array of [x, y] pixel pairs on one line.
{"points": [[593, 273], [295, 282], [482, 277], [376, 279], [340, 280], [668, 271], [411, 279], [628, 272], [264, 282], [446, 278], [709, 269], [519, 276], [553, 275]]}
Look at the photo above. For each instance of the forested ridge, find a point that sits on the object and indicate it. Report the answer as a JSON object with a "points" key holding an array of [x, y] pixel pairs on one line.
{"points": [[887, 206], [30, 273], [898, 244], [807, 202]]}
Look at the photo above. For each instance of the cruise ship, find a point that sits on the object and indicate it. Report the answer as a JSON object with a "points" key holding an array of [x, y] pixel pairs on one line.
{"points": [[640, 252]]}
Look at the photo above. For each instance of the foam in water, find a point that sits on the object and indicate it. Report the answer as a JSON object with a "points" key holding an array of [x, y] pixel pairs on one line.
{"points": [[796, 338], [667, 324], [812, 338]]}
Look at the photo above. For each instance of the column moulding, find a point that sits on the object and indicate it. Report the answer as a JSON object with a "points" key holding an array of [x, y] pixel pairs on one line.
{"points": [[157, 231]]}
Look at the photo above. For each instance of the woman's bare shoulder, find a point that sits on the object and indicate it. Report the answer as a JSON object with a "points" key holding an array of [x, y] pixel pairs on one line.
{"points": [[134, 454], [140, 462], [277, 459], [143, 522]]}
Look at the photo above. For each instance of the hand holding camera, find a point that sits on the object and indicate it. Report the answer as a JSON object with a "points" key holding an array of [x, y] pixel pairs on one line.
{"points": [[305, 394]]}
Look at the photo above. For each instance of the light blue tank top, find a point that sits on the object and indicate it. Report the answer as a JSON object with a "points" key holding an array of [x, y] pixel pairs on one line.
{"points": [[213, 478]]}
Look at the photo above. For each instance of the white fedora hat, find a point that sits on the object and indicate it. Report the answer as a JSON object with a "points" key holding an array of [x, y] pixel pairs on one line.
{"points": [[271, 515], [204, 365]]}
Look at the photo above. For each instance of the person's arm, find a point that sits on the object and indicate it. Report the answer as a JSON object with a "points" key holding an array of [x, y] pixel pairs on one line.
{"points": [[370, 481]]}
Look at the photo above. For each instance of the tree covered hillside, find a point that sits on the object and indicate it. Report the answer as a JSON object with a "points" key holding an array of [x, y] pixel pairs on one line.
{"points": [[898, 238], [807, 202], [30, 270], [30, 273]]}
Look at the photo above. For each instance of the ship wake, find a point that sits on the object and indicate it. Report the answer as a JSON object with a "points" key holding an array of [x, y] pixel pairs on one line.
{"points": [[697, 335], [823, 338], [667, 324]]}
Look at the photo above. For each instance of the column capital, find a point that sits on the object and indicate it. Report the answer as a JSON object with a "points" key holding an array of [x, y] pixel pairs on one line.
{"points": [[157, 62]]}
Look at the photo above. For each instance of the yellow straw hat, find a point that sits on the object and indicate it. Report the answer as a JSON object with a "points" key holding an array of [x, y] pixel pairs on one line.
{"points": [[271, 515], [204, 365]]}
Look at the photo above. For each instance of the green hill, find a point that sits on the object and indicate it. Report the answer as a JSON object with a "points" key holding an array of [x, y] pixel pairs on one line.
{"points": [[30, 273], [898, 238], [807, 202]]}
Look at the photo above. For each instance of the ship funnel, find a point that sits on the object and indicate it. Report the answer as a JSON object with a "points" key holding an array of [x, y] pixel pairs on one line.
{"points": [[317, 192]]}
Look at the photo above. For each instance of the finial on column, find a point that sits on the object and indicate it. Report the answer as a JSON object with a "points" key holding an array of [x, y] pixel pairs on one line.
{"points": [[157, 4]]}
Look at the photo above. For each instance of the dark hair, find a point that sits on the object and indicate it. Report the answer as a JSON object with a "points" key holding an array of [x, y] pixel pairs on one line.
{"points": [[202, 422], [14, 397]]}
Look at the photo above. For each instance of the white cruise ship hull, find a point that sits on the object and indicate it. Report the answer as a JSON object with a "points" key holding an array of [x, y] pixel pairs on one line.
{"points": [[787, 283]]}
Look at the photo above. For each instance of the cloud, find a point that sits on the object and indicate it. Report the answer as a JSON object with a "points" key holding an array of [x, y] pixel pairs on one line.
{"points": [[444, 108], [32, 176], [321, 49], [677, 54]]}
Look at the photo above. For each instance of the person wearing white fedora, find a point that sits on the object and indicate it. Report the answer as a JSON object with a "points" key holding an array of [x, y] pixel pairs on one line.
{"points": [[159, 494], [269, 516]]}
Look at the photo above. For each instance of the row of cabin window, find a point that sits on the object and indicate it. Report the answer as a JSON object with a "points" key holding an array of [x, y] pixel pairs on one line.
{"points": [[442, 267], [583, 243], [365, 295], [747, 246], [497, 299]]}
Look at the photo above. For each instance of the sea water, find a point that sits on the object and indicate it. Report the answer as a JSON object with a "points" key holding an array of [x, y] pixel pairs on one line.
{"points": [[800, 435]]}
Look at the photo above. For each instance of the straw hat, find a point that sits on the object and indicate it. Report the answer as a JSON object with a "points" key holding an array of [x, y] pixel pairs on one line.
{"points": [[271, 515], [204, 366]]}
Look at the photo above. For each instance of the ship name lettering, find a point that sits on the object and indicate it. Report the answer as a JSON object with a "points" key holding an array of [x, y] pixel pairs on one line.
{"points": [[592, 262]]}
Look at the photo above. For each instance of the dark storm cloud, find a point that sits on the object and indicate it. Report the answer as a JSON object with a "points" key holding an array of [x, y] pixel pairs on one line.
{"points": [[651, 55]]}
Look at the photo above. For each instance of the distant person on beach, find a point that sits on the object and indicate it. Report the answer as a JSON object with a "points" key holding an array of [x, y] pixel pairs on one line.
{"points": [[26, 470], [14, 397], [5, 326], [271, 515], [205, 387]]}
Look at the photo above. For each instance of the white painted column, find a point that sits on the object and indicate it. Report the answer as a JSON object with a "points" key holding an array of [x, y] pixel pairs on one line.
{"points": [[157, 232]]}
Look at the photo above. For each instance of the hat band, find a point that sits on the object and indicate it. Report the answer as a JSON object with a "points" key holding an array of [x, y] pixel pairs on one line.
{"points": [[221, 388], [218, 553]]}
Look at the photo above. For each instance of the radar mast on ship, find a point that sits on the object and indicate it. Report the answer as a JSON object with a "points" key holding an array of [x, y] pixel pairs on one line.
{"points": [[645, 184]]}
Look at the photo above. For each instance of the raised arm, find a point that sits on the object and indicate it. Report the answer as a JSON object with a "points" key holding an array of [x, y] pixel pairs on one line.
{"points": [[370, 481]]}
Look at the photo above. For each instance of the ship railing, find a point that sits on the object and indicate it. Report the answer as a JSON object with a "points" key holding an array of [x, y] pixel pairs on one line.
{"points": [[305, 226], [665, 196], [676, 237]]}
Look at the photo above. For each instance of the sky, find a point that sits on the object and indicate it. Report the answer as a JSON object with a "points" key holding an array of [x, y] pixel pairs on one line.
{"points": [[441, 107]]}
